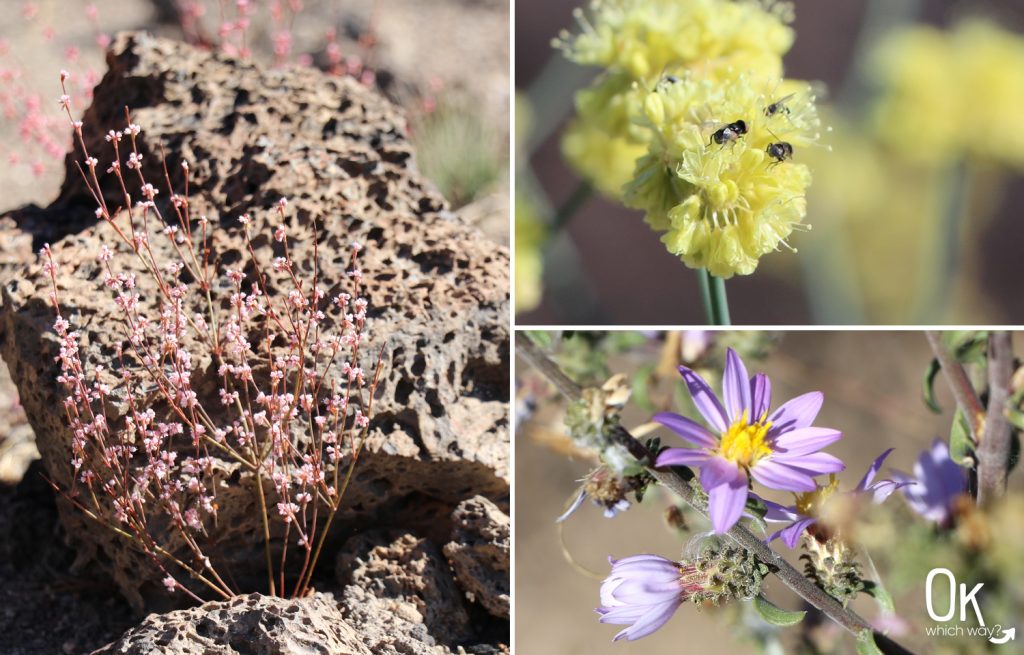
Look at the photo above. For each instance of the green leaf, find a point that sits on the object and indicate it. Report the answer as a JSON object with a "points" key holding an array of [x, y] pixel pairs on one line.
{"points": [[961, 446], [540, 337], [776, 615], [929, 386], [1015, 417], [969, 346], [881, 596], [866, 643], [641, 394]]}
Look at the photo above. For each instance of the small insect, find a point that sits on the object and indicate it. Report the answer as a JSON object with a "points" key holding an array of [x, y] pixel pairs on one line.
{"points": [[780, 151], [778, 106], [729, 133]]}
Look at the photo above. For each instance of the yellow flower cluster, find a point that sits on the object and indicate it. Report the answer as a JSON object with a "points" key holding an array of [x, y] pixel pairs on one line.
{"points": [[635, 40], [722, 205], [641, 38], [946, 94], [687, 124]]}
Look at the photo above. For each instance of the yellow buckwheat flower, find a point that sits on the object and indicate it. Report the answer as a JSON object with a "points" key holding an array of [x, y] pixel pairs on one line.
{"points": [[635, 41], [601, 142], [642, 37], [718, 177], [947, 94]]}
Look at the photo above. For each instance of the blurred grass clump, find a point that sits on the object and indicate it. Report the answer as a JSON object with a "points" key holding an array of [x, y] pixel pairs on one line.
{"points": [[457, 150]]}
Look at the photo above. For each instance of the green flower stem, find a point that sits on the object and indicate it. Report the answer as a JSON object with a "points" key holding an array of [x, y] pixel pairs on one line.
{"points": [[704, 280], [580, 195], [833, 609], [712, 293], [719, 301]]}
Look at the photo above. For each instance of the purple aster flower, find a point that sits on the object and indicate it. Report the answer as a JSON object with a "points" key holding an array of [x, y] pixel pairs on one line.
{"points": [[939, 481], [643, 592], [807, 509], [779, 450]]}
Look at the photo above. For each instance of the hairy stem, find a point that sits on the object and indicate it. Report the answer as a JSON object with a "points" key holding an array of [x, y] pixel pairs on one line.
{"points": [[792, 578], [994, 446], [959, 384]]}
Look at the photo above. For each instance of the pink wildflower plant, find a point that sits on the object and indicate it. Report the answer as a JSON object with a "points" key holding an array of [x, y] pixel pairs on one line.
{"points": [[293, 424]]}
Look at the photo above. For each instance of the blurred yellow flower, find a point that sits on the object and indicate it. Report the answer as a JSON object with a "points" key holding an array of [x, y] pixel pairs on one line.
{"points": [[529, 259], [947, 94], [718, 178]]}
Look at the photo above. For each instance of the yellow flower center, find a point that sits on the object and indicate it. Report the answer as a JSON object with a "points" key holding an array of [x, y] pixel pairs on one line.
{"points": [[744, 442], [810, 503]]}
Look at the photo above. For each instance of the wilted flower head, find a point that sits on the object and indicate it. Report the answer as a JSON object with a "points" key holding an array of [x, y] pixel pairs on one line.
{"points": [[643, 592], [779, 450], [722, 205], [810, 505], [938, 481]]}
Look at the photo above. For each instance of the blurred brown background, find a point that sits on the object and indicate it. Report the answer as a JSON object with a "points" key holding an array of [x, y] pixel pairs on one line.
{"points": [[619, 273], [872, 387]]}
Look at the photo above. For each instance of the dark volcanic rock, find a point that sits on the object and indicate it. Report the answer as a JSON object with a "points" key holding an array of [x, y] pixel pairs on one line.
{"points": [[479, 553], [438, 290], [400, 593], [252, 624]]}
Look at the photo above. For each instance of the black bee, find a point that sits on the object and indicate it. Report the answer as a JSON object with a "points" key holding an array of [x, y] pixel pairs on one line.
{"points": [[780, 151], [778, 106], [729, 133]]}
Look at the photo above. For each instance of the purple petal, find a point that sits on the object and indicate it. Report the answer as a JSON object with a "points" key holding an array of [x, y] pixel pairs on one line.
{"points": [[778, 475], [805, 440], [656, 616], [872, 471], [791, 534], [725, 504], [813, 463], [726, 485], [688, 429], [883, 489], [799, 412], [718, 471], [682, 457], [704, 400], [580, 497], [760, 396], [736, 387], [777, 513]]}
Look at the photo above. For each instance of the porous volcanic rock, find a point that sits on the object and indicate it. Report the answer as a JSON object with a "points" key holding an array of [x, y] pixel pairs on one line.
{"points": [[398, 591], [479, 553], [251, 625], [438, 290]]}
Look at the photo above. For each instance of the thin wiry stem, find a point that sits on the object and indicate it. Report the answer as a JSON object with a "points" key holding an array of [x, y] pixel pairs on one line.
{"points": [[792, 578], [994, 446]]}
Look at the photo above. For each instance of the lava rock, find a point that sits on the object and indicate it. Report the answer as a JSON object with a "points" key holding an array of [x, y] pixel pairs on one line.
{"points": [[479, 553], [252, 624], [437, 288], [399, 593]]}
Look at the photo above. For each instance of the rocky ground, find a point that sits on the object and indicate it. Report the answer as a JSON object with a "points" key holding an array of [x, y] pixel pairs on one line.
{"points": [[423, 551]]}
